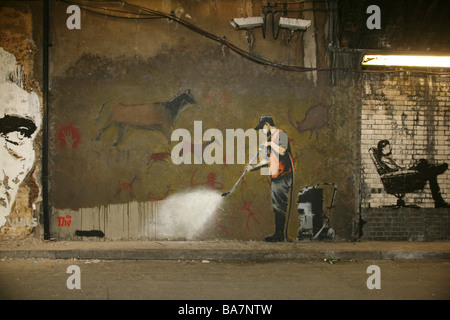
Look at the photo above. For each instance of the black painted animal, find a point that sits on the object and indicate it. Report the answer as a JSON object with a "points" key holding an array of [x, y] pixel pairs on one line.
{"points": [[159, 116]]}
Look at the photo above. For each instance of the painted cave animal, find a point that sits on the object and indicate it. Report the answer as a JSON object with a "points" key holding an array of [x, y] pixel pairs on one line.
{"points": [[159, 116], [159, 156], [127, 187], [151, 197], [316, 117]]}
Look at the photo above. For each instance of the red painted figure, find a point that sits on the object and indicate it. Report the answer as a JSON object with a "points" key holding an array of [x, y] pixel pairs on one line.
{"points": [[251, 214], [127, 187], [159, 156], [210, 183]]}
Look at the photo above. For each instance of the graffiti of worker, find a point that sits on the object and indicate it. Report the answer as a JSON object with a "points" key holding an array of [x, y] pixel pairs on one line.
{"points": [[281, 168], [427, 170], [20, 121]]}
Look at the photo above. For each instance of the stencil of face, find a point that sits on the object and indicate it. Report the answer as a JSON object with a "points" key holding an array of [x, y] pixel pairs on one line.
{"points": [[19, 123], [386, 150]]}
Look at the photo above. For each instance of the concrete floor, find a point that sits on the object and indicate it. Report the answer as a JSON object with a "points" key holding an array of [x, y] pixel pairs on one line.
{"points": [[45, 279]]}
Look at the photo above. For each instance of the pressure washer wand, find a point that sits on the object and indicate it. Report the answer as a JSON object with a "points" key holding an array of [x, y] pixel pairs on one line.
{"points": [[234, 187], [243, 173]]}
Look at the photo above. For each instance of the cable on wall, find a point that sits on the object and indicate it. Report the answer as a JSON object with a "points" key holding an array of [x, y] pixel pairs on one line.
{"points": [[144, 13]]}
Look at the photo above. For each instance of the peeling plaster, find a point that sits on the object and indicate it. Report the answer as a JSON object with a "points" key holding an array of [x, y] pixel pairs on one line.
{"points": [[17, 154]]}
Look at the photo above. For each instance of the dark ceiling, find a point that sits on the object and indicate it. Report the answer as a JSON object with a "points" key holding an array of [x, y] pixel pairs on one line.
{"points": [[406, 25]]}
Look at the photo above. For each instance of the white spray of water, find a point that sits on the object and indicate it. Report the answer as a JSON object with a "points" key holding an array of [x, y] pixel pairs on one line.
{"points": [[184, 215]]}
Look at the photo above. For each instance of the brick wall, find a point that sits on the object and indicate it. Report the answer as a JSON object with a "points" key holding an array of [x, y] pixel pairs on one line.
{"points": [[406, 224], [412, 111]]}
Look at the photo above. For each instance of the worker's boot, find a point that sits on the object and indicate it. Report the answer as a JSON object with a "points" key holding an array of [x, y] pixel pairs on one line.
{"points": [[278, 236]]}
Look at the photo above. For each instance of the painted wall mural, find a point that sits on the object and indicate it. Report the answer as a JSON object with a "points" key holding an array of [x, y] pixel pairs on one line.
{"points": [[159, 116], [316, 117], [121, 178], [404, 144], [20, 121], [68, 136], [399, 180], [112, 149]]}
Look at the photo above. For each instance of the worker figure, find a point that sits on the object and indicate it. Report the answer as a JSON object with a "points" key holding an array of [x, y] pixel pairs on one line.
{"points": [[281, 168]]}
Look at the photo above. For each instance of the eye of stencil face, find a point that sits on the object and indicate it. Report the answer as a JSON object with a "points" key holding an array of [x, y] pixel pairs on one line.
{"points": [[16, 130], [16, 137]]}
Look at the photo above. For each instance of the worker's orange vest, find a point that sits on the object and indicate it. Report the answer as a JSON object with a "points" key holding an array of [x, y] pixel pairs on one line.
{"points": [[276, 167]]}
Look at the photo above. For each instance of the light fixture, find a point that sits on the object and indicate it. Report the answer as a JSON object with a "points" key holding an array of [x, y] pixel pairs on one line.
{"points": [[406, 61], [247, 23], [294, 24]]}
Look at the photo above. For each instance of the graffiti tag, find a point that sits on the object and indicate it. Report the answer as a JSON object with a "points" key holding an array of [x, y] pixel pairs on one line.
{"points": [[64, 221]]}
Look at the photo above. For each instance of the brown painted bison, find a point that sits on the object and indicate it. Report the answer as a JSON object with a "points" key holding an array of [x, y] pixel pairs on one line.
{"points": [[159, 116], [316, 117]]}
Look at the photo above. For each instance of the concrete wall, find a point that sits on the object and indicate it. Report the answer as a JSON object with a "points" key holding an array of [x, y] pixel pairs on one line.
{"points": [[115, 189], [121, 182]]}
